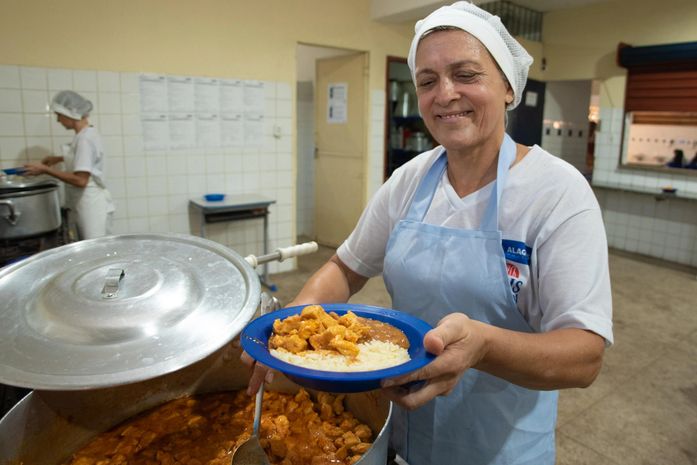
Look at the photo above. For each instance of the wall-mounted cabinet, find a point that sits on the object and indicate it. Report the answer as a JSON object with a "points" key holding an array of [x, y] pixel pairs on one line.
{"points": [[405, 133]]}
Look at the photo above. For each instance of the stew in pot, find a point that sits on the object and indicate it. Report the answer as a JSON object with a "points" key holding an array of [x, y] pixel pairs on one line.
{"points": [[206, 429]]}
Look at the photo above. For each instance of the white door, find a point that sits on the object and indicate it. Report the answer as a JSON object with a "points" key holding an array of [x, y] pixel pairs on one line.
{"points": [[340, 140]]}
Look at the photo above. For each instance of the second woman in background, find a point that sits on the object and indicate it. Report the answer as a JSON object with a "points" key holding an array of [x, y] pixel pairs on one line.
{"points": [[86, 192]]}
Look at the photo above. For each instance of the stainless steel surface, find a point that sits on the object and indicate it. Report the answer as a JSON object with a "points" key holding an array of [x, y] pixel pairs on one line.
{"points": [[181, 298], [29, 212], [17, 182], [66, 420], [236, 208], [111, 282]]}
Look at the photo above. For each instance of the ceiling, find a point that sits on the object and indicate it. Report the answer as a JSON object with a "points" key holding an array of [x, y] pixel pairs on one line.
{"points": [[394, 11]]}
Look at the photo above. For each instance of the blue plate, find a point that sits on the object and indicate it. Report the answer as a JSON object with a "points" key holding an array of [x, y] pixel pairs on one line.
{"points": [[255, 341], [214, 197]]}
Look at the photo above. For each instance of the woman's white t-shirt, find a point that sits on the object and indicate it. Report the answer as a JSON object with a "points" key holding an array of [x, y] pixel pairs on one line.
{"points": [[88, 154], [553, 237]]}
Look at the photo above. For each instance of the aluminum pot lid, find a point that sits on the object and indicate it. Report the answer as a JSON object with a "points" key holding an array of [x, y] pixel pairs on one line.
{"points": [[120, 309], [16, 182]]}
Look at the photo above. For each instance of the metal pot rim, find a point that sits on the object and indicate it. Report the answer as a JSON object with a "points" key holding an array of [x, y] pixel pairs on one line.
{"points": [[16, 182], [35, 190]]}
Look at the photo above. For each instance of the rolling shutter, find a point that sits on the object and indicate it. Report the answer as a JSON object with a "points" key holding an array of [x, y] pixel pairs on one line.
{"points": [[660, 77]]}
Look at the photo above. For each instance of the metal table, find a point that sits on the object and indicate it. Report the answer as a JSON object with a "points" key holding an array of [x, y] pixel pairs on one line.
{"points": [[237, 208]]}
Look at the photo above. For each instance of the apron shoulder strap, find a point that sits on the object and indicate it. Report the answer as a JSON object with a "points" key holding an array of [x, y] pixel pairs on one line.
{"points": [[507, 154], [426, 188]]}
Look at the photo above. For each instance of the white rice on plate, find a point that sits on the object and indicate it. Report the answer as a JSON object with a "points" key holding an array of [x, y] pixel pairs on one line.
{"points": [[372, 355]]}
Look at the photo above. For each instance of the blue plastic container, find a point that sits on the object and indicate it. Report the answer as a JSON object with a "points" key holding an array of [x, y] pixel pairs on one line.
{"points": [[214, 197], [18, 170]]}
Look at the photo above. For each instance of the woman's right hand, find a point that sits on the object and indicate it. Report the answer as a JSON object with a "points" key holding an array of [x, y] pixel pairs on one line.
{"points": [[458, 344], [35, 169], [51, 160], [260, 374]]}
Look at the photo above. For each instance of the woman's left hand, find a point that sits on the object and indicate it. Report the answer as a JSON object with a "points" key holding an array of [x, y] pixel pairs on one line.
{"points": [[458, 344], [33, 169]]}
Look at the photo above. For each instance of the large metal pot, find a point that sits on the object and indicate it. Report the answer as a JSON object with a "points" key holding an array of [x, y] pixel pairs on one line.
{"points": [[106, 328], [28, 207], [47, 426]]}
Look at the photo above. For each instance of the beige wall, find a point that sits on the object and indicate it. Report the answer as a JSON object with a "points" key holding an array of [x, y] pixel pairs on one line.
{"points": [[256, 40], [581, 43], [235, 38], [223, 38]]}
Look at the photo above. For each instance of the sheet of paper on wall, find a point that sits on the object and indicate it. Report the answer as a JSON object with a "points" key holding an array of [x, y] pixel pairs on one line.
{"points": [[207, 95], [530, 99], [182, 131], [153, 93], [207, 130], [253, 129], [254, 94], [231, 96], [231, 130], [155, 131], [180, 94], [337, 111]]}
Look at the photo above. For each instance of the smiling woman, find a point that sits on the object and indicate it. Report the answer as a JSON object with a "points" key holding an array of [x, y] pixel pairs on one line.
{"points": [[461, 92], [499, 246]]}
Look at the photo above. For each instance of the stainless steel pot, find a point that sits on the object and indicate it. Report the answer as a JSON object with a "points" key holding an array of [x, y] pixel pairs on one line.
{"points": [[106, 328], [47, 426], [28, 207]]}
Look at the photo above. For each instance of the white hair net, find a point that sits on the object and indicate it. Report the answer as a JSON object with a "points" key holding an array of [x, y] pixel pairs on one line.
{"points": [[71, 104], [511, 57]]}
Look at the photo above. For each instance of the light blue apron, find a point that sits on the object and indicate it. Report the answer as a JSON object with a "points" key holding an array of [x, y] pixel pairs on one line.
{"points": [[431, 271]]}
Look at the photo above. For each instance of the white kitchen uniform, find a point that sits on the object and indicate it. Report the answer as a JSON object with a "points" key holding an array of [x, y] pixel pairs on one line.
{"points": [[553, 237], [92, 204]]}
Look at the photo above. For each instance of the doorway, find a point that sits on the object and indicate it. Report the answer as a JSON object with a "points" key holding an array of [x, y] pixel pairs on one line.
{"points": [[525, 121], [567, 117], [331, 151]]}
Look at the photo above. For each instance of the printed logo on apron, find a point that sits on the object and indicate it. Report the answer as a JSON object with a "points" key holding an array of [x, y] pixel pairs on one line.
{"points": [[517, 264]]}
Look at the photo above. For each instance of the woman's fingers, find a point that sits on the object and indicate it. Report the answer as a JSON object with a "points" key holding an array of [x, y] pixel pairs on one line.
{"points": [[451, 362], [415, 398], [260, 373], [247, 360], [457, 346], [33, 168]]}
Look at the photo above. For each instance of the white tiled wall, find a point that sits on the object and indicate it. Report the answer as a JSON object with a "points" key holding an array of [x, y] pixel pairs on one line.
{"points": [[636, 222], [636, 218], [568, 140], [152, 188], [565, 122]]}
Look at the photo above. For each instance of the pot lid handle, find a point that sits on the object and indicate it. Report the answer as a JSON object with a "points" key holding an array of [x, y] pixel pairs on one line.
{"points": [[111, 282]]}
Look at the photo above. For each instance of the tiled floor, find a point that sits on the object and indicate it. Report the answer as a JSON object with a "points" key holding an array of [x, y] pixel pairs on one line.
{"points": [[642, 409]]}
